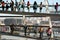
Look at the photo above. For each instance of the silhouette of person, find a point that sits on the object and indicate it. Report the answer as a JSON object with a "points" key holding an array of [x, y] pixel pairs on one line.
{"points": [[11, 5], [35, 6], [7, 5], [3, 4], [40, 6], [56, 6], [16, 5], [28, 5], [23, 5]]}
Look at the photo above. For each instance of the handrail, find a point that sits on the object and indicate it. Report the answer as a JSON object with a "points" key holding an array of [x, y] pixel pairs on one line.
{"points": [[32, 14], [17, 35], [31, 26], [37, 5]]}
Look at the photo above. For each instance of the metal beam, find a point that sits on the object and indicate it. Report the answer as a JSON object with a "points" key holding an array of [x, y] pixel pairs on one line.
{"points": [[31, 14]]}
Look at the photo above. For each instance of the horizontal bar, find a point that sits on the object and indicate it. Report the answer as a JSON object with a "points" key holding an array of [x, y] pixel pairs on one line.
{"points": [[30, 13], [30, 26]]}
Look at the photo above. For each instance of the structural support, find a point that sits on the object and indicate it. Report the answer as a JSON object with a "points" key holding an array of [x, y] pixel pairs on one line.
{"points": [[50, 24], [46, 3], [24, 20]]}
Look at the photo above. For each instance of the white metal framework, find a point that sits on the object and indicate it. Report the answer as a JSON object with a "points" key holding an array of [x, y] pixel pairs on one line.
{"points": [[50, 24], [46, 3]]}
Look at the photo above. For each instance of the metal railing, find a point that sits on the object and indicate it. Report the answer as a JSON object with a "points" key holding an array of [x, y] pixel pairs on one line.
{"points": [[20, 30]]}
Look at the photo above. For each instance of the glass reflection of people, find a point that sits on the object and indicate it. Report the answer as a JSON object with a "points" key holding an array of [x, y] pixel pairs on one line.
{"points": [[29, 30], [41, 32], [25, 30], [12, 28], [49, 31]]}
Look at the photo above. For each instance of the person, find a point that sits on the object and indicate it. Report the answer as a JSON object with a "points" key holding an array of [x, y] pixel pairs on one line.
{"points": [[35, 6], [41, 32], [40, 6], [16, 5], [19, 6], [29, 30], [28, 5], [56, 6], [3, 5], [12, 28], [35, 31], [7, 5], [12, 5], [22, 5], [25, 30], [49, 31]]}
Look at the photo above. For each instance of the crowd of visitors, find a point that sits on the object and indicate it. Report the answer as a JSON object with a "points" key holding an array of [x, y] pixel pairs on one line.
{"points": [[35, 29], [18, 6]]}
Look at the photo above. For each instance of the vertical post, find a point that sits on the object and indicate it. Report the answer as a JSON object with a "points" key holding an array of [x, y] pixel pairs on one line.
{"points": [[24, 19], [50, 24], [24, 23], [37, 28], [46, 3]]}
